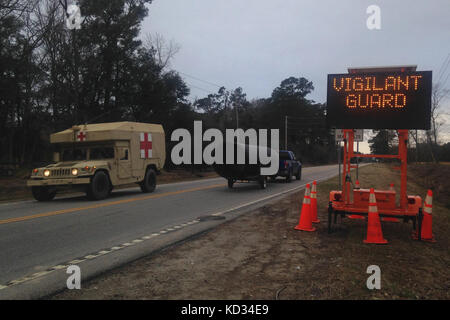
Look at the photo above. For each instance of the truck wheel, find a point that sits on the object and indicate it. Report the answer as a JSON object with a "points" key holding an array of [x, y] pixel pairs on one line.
{"points": [[149, 183], [263, 182], [298, 176], [99, 187], [43, 193], [230, 183], [289, 176]]}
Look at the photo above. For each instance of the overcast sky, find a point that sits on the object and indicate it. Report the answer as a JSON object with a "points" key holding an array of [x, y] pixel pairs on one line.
{"points": [[255, 44]]}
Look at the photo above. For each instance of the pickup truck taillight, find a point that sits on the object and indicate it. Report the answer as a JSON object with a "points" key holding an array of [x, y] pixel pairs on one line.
{"points": [[285, 164]]}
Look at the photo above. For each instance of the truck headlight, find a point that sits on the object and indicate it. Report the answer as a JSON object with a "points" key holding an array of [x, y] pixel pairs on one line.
{"points": [[46, 172], [74, 171]]}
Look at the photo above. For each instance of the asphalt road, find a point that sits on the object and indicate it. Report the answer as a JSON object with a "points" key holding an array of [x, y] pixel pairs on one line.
{"points": [[38, 238]]}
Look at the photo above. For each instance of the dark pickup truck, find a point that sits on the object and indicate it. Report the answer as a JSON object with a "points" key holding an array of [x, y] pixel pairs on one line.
{"points": [[289, 166]]}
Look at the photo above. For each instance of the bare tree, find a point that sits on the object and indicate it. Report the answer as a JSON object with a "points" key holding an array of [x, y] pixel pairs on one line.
{"points": [[440, 93], [163, 51], [16, 7]]}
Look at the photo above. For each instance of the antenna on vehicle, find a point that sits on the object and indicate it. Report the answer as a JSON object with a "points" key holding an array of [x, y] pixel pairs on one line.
{"points": [[113, 99], [97, 117]]}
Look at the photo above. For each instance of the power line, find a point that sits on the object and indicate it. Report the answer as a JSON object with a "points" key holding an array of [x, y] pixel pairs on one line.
{"points": [[305, 125], [304, 118], [443, 69], [205, 90], [308, 121], [443, 65], [198, 79], [315, 127]]}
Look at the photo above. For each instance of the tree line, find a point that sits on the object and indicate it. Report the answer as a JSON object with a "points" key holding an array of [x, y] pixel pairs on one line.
{"points": [[52, 77], [421, 146]]}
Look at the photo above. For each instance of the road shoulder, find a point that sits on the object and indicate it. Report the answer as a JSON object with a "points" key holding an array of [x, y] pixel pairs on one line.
{"points": [[260, 256]]}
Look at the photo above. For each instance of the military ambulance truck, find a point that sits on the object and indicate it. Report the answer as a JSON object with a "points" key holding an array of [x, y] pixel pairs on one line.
{"points": [[95, 158]]}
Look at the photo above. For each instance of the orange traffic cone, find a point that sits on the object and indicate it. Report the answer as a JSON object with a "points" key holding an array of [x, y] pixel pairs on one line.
{"points": [[355, 216], [427, 232], [305, 222], [374, 232], [314, 203]]}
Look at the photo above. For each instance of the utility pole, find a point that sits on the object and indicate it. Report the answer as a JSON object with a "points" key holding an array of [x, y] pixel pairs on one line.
{"points": [[357, 161], [237, 116], [285, 132], [417, 147], [227, 116], [339, 162]]}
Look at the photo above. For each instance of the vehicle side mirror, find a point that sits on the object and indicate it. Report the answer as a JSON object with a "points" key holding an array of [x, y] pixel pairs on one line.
{"points": [[56, 157]]}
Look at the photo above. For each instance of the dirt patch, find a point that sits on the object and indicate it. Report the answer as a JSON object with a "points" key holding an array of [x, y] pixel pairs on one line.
{"points": [[15, 188], [261, 256]]}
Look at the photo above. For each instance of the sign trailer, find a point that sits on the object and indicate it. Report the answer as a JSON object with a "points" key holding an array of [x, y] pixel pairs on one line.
{"points": [[377, 98]]}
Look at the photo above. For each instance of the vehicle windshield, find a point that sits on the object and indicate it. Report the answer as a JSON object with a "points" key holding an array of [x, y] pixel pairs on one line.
{"points": [[80, 154], [74, 154], [101, 153]]}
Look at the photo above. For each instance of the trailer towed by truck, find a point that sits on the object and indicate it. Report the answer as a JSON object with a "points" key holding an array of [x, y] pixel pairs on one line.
{"points": [[244, 171]]}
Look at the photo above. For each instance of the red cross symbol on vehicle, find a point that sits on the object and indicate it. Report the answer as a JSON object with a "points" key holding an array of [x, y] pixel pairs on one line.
{"points": [[81, 136], [146, 145]]}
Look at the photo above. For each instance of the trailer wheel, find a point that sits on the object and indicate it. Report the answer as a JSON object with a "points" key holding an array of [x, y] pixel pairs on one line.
{"points": [[263, 182], [99, 187], [230, 183], [289, 176], [43, 193], [298, 176], [148, 185]]}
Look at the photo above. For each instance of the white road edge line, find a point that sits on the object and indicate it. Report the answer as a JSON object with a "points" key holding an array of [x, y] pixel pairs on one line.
{"points": [[266, 198], [127, 244]]}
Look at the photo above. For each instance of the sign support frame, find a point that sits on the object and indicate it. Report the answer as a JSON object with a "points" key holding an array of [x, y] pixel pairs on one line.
{"points": [[341, 203]]}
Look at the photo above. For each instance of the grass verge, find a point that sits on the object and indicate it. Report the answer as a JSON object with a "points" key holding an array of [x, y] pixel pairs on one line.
{"points": [[261, 256]]}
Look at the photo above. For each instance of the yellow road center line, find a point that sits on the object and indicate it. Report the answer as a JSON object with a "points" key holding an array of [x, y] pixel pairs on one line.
{"points": [[106, 204]]}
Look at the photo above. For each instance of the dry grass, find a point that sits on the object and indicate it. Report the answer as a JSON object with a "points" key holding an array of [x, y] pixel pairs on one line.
{"points": [[261, 256], [434, 177], [410, 269]]}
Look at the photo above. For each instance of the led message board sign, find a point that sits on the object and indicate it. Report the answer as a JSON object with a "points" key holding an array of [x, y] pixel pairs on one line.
{"points": [[379, 100]]}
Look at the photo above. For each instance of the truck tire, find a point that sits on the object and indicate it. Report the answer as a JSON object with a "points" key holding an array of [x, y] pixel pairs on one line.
{"points": [[289, 176], [230, 183], [262, 182], [298, 176], [43, 193], [99, 187], [149, 183]]}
